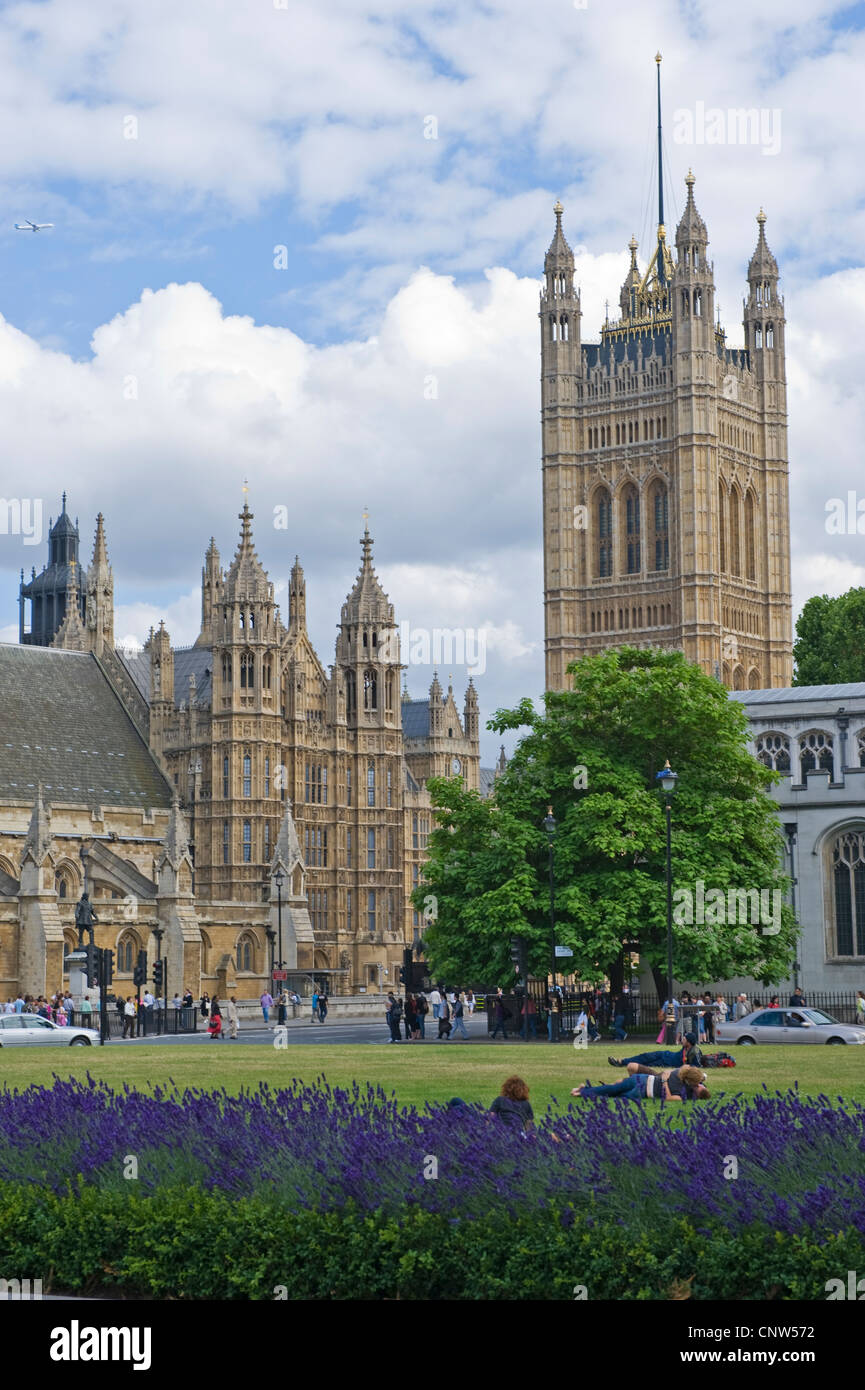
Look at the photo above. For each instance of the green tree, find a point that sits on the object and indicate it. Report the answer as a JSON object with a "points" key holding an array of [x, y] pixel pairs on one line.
{"points": [[830, 639], [592, 755]]}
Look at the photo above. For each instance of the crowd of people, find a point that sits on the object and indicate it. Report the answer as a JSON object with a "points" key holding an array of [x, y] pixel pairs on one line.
{"points": [[58, 1009], [448, 1007]]}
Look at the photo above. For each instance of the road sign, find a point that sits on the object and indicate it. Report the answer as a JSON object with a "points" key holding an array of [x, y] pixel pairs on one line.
{"points": [[564, 951], [280, 975]]}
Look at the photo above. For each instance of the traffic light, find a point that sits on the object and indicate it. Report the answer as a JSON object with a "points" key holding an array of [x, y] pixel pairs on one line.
{"points": [[519, 956], [139, 974], [107, 972], [158, 971], [405, 968], [91, 965]]}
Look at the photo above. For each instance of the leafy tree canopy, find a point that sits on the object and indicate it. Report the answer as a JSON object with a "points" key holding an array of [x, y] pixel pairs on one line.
{"points": [[830, 639], [593, 755]]}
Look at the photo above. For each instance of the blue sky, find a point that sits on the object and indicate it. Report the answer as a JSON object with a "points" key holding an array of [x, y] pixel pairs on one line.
{"points": [[408, 258]]}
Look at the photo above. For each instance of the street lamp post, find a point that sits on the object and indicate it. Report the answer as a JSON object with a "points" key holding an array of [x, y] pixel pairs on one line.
{"points": [[279, 880], [550, 827], [271, 936], [790, 828], [666, 780]]}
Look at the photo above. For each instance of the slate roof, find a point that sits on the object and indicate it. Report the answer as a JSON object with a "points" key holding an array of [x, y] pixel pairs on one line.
{"points": [[415, 718], [187, 661], [800, 693], [61, 724], [487, 780]]}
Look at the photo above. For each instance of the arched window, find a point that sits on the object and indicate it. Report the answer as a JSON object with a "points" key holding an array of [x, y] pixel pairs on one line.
{"points": [[267, 672], [815, 752], [848, 872], [722, 527], [244, 953], [770, 336], [604, 533], [774, 750], [247, 671], [127, 953], [750, 546], [226, 671], [738, 678], [659, 516], [370, 785], [247, 842], [350, 694], [225, 776], [247, 775], [370, 690], [754, 679], [735, 532], [631, 504]]}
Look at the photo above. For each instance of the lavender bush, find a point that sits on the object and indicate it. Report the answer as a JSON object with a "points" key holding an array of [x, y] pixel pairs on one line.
{"points": [[801, 1161]]}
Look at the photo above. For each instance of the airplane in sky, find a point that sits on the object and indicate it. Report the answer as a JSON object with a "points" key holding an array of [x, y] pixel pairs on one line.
{"points": [[28, 226]]}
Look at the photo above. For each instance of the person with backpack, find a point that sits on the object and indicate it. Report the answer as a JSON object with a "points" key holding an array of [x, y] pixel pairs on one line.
{"points": [[688, 1055], [444, 1020], [394, 1015], [314, 1006], [420, 1017], [459, 1019]]}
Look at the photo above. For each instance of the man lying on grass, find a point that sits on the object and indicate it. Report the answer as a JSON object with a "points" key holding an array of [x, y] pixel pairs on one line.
{"points": [[688, 1055], [641, 1083]]}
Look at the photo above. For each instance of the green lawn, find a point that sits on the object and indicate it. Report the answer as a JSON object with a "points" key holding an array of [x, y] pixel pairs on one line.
{"points": [[418, 1074]]}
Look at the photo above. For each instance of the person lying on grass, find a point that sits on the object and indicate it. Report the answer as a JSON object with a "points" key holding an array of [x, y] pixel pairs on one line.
{"points": [[641, 1083], [688, 1055]]}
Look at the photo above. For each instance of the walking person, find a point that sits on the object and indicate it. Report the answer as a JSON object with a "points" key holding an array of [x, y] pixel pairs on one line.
{"points": [[129, 1012], [743, 1008], [204, 1006], [214, 1027], [422, 1011], [721, 1009], [501, 1017], [322, 1005], [436, 1000], [709, 1017], [860, 1007], [314, 1005], [280, 1007], [459, 1018], [266, 1002], [529, 1015], [620, 1009], [470, 1002], [444, 1020], [410, 1018], [394, 1015], [233, 1020]]}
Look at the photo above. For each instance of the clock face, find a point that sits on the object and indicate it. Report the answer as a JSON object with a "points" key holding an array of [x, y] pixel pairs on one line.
{"points": [[456, 767]]}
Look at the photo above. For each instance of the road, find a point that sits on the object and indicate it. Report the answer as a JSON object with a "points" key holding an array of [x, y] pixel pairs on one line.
{"points": [[303, 1032]]}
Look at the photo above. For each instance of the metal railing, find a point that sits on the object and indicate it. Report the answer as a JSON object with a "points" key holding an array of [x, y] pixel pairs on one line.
{"points": [[152, 1022]]}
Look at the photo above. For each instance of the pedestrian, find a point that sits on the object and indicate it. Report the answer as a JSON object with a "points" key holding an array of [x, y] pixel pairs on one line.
{"points": [[214, 1027], [444, 1020], [860, 1007], [322, 1005], [422, 1011], [501, 1017], [410, 1017], [459, 1018], [204, 1005], [129, 1012], [709, 1017], [232, 1018], [743, 1008], [797, 999], [188, 1001], [512, 1104], [436, 1000], [721, 1009], [60, 1018], [773, 1002], [620, 1009], [266, 1002], [394, 1015], [470, 1001], [295, 1001], [529, 1015], [87, 1007], [280, 1007], [176, 1001]]}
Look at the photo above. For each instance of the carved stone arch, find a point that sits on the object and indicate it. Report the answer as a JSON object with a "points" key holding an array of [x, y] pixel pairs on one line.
{"points": [[841, 848], [246, 949], [816, 751], [206, 952], [738, 678], [7, 867], [67, 880], [754, 678], [126, 949]]}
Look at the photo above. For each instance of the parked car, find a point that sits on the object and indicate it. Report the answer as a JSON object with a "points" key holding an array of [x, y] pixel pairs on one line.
{"points": [[788, 1026], [30, 1030]]}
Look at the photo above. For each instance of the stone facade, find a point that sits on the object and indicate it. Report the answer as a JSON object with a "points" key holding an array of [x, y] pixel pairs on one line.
{"points": [[270, 766], [665, 499]]}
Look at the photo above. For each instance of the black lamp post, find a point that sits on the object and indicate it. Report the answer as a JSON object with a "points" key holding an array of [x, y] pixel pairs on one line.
{"points": [[790, 829], [550, 827], [666, 780], [279, 880]]}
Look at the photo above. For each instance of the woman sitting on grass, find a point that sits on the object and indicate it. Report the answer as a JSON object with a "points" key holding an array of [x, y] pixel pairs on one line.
{"points": [[641, 1083], [512, 1105]]}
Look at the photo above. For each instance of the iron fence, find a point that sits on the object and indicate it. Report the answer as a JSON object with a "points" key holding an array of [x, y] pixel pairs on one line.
{"points": [[152, 1022]]}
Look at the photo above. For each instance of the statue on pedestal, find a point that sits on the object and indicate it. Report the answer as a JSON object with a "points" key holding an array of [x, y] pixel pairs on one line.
{"points": [[85, 919]]}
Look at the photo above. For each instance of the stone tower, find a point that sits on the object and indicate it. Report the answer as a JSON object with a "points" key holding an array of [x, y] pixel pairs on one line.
{"points": [[100, 594], [665, 497], [60, 585]]}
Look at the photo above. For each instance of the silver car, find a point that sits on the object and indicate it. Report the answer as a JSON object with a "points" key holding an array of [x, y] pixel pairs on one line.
{"points": [[798, 1025], [30, 1030]]}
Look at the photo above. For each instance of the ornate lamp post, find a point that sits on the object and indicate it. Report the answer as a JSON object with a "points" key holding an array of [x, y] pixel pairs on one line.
{"points": [[279, 880], [550, 827], [666, 781], [271, 936], [790, 830]]}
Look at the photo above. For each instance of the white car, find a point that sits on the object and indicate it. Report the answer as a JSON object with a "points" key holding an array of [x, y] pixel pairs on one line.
{"points": [[799, 1025], [30, 1030]]}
